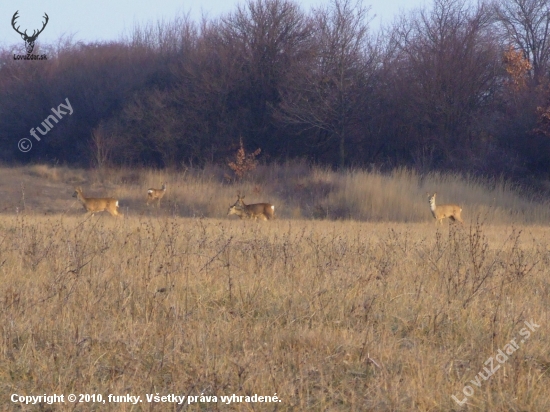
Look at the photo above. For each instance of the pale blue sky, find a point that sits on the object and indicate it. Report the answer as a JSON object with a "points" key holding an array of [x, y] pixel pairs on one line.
{"points": [[104, 20]]}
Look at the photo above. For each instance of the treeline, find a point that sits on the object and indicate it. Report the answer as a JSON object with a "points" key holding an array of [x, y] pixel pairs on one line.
{"points": [[450, 86]]}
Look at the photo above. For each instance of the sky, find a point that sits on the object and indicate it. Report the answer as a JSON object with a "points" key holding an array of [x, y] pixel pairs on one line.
{"points": [[108, 20]]}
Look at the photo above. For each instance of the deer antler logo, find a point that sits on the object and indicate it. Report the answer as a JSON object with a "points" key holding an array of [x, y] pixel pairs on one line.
{"points": [[29, 40]]}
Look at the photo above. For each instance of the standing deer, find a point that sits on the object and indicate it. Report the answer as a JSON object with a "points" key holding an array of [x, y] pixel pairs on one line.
{"points": [[158, 194], [99, 204], [442, 211], [29, 40], [262, 211]]}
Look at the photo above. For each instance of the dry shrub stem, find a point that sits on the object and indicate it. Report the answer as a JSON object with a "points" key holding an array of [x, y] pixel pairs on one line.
{"points": [[340, 316]]}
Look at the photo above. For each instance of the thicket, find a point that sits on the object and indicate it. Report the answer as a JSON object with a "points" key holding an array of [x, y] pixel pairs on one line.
{"points": [[451, 86]]}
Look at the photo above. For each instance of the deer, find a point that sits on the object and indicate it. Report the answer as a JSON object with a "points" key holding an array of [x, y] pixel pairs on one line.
{"points": [[99, 204], [262, 211], [156, 194], [29, 40], [440, 212]]}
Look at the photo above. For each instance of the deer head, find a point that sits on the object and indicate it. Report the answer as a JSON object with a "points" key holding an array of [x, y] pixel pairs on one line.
{"points": [[29, 40]]}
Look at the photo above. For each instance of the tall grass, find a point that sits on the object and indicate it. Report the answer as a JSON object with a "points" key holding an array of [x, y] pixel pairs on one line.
{"points": [[297, 191], [351, 300], [339, 316]]}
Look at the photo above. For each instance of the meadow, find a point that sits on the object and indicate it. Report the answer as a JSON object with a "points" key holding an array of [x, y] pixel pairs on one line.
{"points": [[351, 300]]}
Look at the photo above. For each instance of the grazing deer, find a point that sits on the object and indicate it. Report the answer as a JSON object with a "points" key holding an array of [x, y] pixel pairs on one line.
{"points": [[263, 211], [442, 211], [100, 204], [153, 194]]}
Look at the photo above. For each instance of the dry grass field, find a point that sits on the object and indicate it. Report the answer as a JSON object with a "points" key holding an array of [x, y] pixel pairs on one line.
{"points": [[378, 310], [297, 191]]}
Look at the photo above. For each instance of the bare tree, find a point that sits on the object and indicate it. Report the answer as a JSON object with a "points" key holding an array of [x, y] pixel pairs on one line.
{"points": [[526, 25], [327, 94], [102, 144], [445, 66], [270, 37]]}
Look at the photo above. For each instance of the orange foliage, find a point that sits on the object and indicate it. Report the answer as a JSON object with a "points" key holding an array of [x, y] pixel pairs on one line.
{"points": [[244, 162], [517, 67]]}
